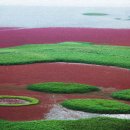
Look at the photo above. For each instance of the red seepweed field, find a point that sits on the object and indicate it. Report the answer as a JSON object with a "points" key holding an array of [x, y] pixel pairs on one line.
{"points": [[15, 78], [20, 36]]}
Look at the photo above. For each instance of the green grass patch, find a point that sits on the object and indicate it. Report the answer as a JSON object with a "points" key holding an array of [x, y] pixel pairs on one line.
{"points": [[97, 106], [95, 14], [85, 124], [60, 87], [123, 94], [67, 52], [30, 100]]}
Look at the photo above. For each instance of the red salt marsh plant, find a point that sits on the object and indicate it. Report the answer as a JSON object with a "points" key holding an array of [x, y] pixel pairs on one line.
{"points": [[54, 35], [6, 100], [27, 112], [12, 101], [107, 77]]}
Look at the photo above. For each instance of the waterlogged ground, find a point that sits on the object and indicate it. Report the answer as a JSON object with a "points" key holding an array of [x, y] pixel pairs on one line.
{"points": [[60, 113]]}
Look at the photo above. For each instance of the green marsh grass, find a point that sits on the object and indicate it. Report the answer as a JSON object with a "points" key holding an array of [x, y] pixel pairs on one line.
{"points": [[122, 94], [67, 52], [60, 87], [84, 124], [102, 106]]}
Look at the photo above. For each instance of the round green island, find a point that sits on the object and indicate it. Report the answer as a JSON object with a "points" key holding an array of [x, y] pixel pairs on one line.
{"points": [[60, 87], [123, 94], [101, 106]]}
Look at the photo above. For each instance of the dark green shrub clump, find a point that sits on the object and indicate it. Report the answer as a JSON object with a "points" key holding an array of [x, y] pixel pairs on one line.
{"points": [[97, 106], [59, 87], [123, 94]]}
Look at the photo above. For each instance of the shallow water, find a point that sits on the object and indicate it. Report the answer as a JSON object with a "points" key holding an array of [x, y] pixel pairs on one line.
{"points": [[31, 16], [60, 113]]}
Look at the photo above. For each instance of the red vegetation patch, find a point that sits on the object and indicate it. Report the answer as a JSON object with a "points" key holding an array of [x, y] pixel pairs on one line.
{"points": [[12, 101], [39, 111], [7, 28], [54, 35], [33, 112], [14, 80], [65, 72]]}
